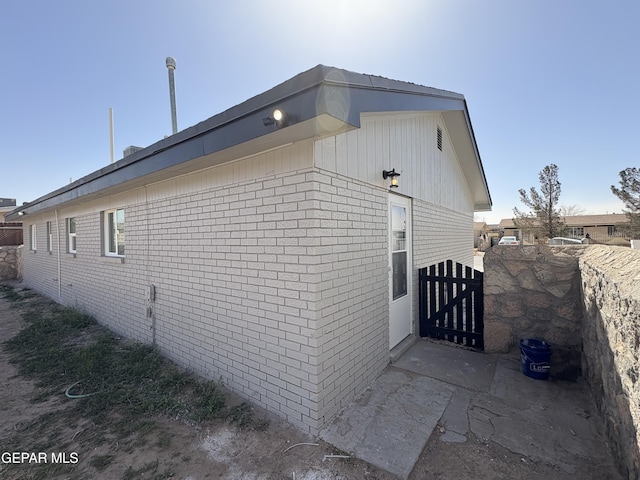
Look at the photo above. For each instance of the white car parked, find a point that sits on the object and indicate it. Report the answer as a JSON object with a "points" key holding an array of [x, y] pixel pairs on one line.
{"points": [[509, 241]]}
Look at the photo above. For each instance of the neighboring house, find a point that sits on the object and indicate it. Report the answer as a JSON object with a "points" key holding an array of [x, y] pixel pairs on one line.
{"points": [[601, 228], [480, 234], [507, 227], [10, 232], [480, 228], [270, 251], [494, 229], [6, 206]]}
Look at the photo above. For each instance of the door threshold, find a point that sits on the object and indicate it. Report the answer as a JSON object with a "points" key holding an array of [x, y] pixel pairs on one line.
{"points": [[396, 352]]}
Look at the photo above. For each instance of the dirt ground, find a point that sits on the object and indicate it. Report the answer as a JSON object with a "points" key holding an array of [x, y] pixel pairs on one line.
{"points": [[213, 450]]}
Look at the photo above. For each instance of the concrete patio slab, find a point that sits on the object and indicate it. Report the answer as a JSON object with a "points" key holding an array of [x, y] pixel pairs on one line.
{"points": [[389, 425], [455, 419], [467, 393], [542, 420], [451, 364]]}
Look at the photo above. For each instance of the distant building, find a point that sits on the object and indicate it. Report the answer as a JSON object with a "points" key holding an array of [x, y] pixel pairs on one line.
{"points": [[6, 205], [10, 233], [601, 228]]}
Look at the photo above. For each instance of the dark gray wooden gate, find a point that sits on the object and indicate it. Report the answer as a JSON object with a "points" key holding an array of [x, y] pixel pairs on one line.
{"points": [[451, 304]]}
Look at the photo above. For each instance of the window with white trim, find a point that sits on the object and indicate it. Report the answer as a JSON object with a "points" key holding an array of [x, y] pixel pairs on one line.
{"points": [[49, 237], [71, 235], [113, 224], [33, 237]]}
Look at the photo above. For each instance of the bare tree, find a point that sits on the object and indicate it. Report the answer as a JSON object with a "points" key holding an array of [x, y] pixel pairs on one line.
{"points": [[571, 210], [629, 193], [544, 218]]}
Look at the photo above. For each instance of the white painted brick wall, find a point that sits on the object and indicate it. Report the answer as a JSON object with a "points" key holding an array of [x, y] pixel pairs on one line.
{"points": [[278, 285], [40, 268], [103, 287], [350, 230], [235, 291]]}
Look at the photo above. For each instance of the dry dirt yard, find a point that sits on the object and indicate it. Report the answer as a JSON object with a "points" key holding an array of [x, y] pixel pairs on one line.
{"points": [[59, 443]]}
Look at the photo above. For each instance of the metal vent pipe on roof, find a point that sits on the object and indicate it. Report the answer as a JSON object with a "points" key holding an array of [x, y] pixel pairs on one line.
{"points": [[111, 132], [171, 66]]}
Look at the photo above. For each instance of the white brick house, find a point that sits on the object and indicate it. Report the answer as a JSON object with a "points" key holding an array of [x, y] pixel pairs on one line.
{"points": [[276, 250]]}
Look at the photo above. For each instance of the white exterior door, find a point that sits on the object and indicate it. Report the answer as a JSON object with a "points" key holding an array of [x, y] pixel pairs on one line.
{"points": [[400, 269]]}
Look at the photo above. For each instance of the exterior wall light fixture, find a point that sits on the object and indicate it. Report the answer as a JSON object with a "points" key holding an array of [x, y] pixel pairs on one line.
{"points": [[278, 118], [393, 175]]}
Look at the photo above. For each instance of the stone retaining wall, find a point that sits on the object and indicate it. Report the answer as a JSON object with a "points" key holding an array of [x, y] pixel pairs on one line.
{"points": [[534, 292], [585, 301], [611, 296], [11, 263]]}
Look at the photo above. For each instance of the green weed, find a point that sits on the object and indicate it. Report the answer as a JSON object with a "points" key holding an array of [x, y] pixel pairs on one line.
{"points": [[118, 386], [9, 293], [242, 416]]}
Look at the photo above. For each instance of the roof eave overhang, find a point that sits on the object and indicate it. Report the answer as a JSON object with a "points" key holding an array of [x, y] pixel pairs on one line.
{"points": [[319, 102], [460, 129]]}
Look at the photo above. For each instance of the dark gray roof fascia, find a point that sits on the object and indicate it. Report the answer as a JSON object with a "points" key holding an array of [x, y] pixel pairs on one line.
{"points": [[320, 90], [475, 146]]}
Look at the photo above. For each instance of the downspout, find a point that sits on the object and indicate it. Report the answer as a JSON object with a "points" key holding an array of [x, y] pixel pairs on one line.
{"points": [[59, 266]]}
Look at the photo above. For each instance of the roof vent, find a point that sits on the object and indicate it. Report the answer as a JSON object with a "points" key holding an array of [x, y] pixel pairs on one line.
{"points": [[130, 150], [439, 139]]}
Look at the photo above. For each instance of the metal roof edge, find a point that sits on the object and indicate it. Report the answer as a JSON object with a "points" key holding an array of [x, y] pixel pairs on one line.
{"points": [[326, 80], [477, 151]]}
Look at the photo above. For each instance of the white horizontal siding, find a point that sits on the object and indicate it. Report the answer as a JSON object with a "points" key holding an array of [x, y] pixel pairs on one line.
{"points": [[406, 142], [438, 235]]}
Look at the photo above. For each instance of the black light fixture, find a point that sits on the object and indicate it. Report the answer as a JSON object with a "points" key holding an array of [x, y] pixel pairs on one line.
{"points": [[393, 175], [278, 117]]}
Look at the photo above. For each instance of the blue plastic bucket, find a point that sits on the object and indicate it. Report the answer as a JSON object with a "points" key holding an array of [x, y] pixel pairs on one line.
{"points": [[535, 356]]}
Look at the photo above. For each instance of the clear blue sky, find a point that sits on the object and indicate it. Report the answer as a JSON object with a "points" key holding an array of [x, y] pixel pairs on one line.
{"points": [[545, 81]]}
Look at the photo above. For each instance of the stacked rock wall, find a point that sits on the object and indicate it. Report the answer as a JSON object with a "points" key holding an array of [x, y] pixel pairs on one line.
{"points": [[534, 292], [611, 296], [585, 301], [10, 263]]}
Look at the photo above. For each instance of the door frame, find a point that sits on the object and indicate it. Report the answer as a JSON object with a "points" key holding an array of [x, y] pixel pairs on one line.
{"points": [[401, 309]]}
